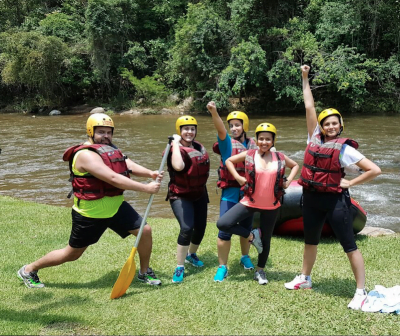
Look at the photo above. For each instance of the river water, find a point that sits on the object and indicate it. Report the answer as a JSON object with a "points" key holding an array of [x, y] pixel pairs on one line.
{"points": [[31, 165]]}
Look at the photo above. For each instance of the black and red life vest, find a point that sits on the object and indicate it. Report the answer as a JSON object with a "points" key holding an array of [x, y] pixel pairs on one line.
{"points": [[225, 178], [191, 183], [89, 187], [321, 170], [250, 174]]}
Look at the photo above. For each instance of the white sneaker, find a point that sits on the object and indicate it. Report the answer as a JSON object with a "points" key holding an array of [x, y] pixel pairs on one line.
{"points": [[256, 242], [299, 282], [358, 301], [260, 277]]}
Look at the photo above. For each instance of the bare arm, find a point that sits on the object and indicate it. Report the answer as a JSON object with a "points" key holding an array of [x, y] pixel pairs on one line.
{"points": [[90, 162], [311, 114], [294, 168], [230, 166], [177, 160], [218, 123], [371, 171], [141, 171]]}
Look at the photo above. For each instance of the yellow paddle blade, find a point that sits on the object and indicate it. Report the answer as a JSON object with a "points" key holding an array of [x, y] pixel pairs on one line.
{"points": [[125, 276]]}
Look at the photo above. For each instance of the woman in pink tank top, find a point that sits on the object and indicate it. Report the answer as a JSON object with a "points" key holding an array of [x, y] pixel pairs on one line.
{"points": [[263, 187]]}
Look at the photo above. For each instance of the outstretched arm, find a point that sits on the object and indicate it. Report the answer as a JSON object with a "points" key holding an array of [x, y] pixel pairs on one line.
{"points": [[218, 123], [311, 114], [141, 171], [92, 163]]}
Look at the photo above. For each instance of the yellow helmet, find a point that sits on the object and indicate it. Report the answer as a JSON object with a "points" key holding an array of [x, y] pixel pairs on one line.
{"points": [[184, 121], [327, 113], [240, 116], [98, 119], [266, 127]]}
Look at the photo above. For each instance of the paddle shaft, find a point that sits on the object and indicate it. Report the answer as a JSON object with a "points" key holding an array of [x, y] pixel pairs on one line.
{"points": [[164, 159]]}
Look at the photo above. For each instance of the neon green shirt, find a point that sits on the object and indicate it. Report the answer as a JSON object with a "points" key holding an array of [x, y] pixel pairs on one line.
{"points": [[105, 207]]}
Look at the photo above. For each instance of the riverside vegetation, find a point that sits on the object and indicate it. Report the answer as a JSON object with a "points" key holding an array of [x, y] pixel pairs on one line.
{"points": [[76, 300], [124, 53]]}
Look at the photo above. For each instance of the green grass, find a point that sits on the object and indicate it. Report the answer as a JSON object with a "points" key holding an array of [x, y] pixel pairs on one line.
{"points": [[76, 298]]}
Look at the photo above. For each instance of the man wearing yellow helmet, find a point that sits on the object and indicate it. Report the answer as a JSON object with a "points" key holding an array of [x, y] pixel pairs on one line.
{"points": [[99, 175], [227, 146], [326, 192]]}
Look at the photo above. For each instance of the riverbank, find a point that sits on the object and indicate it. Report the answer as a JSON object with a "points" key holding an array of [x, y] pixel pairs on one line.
{"points": [[76, 297]]}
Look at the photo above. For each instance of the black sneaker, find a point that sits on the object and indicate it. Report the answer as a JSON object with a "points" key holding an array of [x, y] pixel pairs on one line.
{"points": [[149, 277], [31, 279]]}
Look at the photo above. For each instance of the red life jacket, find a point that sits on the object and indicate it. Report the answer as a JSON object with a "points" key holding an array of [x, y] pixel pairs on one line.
{"points": [[89, 187], [190, 184], [225, 178], [321, 168], [250, 174]]}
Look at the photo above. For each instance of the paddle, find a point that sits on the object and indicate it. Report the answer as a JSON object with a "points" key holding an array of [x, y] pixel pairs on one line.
{"points": [[129, 269]]}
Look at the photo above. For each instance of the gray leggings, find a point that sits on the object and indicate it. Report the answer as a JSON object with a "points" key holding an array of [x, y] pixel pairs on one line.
{"points": [[192, 218], [229, 223]]}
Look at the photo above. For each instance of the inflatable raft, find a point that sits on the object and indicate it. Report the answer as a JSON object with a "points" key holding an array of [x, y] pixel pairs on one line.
{"points": [[290, 220]]}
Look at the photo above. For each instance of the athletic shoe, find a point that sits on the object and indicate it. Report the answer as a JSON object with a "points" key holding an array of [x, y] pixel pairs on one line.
{"points": [[260, 277], [31, 279], [194, 260], [222, 273], [299, 282], [245, 261], [256, 242], [149, 277], [358, 301], [178, 275]]}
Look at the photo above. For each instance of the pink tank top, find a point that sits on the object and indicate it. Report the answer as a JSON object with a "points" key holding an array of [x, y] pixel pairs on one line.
{"points": [[265, 181]]}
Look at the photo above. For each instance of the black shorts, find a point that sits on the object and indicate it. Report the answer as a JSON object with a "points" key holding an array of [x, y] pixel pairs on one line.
{"points": [[87, 231]]}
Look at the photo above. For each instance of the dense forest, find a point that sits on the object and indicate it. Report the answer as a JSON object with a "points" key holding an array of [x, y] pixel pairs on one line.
{"points": [[126, 53]]}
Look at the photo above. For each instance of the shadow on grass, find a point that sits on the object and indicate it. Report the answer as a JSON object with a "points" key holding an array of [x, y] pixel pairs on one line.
{"points": [[41, 312]]}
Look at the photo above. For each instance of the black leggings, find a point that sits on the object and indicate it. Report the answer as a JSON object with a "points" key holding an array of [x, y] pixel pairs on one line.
{"points": [[229, 223], [319, 208], [192, 218]]}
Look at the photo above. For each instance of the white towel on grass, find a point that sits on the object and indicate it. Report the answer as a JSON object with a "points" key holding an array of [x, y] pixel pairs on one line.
{"points": [[382, 299]]}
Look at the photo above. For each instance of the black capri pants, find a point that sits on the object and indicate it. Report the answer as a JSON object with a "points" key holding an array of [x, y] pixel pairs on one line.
{"points": [[335, 209], [231, 221], [192, 218]]}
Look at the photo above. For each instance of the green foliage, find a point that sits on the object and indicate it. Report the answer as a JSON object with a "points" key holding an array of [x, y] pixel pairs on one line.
{"points": [[201, 49], [246, 68], [62, 26], [33, 61], [148, 88]]}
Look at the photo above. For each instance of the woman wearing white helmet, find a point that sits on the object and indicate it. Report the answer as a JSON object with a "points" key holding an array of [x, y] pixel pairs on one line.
{"points": [[263, 185], [188, 167], [326, 192]]}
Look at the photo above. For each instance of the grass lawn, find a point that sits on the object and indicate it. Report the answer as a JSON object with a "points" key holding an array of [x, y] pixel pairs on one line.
{"points": [[76, 300]]}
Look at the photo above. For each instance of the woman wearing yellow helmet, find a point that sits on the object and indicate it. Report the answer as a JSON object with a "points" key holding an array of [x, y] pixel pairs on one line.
{"points": [[263, 186], [326, 192], [227, 146], [188, 167]]}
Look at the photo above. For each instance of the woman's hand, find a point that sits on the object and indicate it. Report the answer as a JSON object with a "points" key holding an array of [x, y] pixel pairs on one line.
{"points": [[241, 180], [346, 184], [177, 139], [305, 69]]}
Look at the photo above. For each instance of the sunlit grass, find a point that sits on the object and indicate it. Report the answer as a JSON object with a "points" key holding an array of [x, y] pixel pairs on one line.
{"points": [[76, 298]]}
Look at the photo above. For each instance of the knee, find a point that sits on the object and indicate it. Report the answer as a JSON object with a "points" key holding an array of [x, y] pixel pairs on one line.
{"points": [[147, 232], [185, 237], [224, 236]]}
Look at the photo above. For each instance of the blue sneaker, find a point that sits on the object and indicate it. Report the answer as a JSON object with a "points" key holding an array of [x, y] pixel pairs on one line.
{"points": [[194, 260], [178, 275], [246, 262], [221, 274]]}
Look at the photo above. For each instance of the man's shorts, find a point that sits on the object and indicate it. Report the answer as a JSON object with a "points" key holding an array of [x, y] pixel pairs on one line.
{"points": [[87, 231]]}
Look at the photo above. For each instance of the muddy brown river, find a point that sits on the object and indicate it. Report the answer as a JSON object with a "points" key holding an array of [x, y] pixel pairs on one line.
{"points": [[31, 166]]}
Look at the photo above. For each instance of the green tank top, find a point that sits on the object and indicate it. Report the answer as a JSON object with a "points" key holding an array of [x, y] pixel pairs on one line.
{"points": [[105, 207]]}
